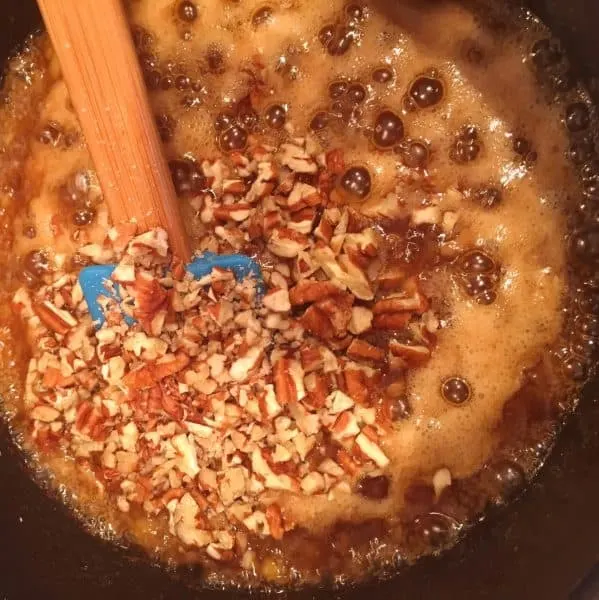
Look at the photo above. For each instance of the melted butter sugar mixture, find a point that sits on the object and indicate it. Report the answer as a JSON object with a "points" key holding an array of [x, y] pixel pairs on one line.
{"points": [[220, 52]]}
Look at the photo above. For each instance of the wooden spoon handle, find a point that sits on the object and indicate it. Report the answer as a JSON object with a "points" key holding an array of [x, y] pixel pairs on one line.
{"points": [[94, 45]]}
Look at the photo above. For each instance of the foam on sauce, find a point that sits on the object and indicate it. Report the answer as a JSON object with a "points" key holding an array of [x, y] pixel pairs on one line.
{"points": [[489, 346]]}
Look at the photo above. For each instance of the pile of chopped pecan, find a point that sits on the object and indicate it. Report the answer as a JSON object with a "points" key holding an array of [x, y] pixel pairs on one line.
{"points": [[217, 401]]}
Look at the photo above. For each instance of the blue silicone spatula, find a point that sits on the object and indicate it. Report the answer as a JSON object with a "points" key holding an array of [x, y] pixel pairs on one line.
{"points": [[99, 64], [93, 279]]}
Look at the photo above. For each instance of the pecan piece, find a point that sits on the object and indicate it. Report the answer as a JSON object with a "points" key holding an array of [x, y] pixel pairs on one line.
{"points": [[277, 300], [318, 389], [391, 320], [316, 322], [53, 378], [287, 243], [56, 319], [274, 518], [312, 358], [284, 384], [171, 367], [171, 398], [362, 350], [394, 304], [150, 298], [361, 320], [307, 291], [413, 356], [356, 385], [339, 311]]}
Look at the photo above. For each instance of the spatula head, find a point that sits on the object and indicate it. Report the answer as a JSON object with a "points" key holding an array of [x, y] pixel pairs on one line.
{"points": [[93, 279]]}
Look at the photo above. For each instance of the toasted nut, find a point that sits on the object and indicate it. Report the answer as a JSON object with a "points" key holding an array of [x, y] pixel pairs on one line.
{"points": [[170, 365], [153, 241], [313, 483], [269, 406], [242, 367], [441, 480], [339, 402], [355, 382], [362, 350], [316, 322], [391, 278], [277, 300], [391, 321], [324, 230], [312, 358], [431, 215], [46, 414], [287, 243], [361, 320], [297, 159], [274, 518], [234, 186], [307, 291], [372, 450], [238, 212], [398, 303], [302, 196], [124, 271], [345, 426], [318, 389], [412, 355], [56, 319], [284, 384]]}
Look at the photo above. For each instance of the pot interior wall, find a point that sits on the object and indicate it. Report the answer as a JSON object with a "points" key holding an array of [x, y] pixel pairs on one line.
{"points": [[539, 548]]}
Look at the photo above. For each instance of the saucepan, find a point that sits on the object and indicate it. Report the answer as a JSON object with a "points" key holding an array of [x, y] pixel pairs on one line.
{"points": [[543, 546]]}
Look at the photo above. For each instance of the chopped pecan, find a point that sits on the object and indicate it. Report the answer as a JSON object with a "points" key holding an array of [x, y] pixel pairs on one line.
{"points": [[173, 365], [121, 234], [335, 161], [371, 449], [391, 278], [412, 355], [303, 196], [399, 303], [53, 378], [339, 311], [361, 320], [317, 387], [362, 350], [324, 230], [150, 298], [171, 398], [233, 212], [313, 483], [391, 321], [312, 358], [315, 321], [347, 462], [45, 414], [56, 319], [345, 426], [307, 291], [277, 300], [284, 385], [274, 519], [356, 385], [241, 368], [287, 243]]}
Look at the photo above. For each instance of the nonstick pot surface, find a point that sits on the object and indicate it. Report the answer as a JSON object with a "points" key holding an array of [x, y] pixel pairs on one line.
{"points": [[541, 547]]}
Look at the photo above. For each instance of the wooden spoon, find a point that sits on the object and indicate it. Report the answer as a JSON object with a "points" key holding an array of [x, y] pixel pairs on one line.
{"points": [[94, 46]]}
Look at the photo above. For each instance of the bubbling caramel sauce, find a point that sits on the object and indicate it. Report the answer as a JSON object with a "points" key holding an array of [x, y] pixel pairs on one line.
{"points": [[455, 104]]}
